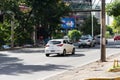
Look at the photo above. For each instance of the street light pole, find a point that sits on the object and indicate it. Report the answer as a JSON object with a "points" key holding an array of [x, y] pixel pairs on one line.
{"points": [[92, 23], [103, 29], [92, 18]]}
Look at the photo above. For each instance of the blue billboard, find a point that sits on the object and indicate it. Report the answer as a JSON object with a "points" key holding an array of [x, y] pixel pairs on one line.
{"points": [[68, 23]]}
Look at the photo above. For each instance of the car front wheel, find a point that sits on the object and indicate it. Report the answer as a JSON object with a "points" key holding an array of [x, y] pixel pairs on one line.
{"points": [[79, 46], [64, 52], [47, 55]]}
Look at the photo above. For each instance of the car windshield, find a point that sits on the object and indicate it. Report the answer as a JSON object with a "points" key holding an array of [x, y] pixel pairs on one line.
{"points": [[98, 36], [117, 36], [54, 42], [84, 38]]}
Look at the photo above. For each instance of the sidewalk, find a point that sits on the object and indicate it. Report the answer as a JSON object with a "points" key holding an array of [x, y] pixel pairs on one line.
{"points": [[93, 70]]}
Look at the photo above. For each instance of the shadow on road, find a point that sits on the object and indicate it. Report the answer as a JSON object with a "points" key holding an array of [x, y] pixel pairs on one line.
{"points": [[67, 55], [6, 59], [27, 51], [13, 66]]}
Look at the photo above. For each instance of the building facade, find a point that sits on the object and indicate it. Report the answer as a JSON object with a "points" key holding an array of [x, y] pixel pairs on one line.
{"points": [[80, 12]]}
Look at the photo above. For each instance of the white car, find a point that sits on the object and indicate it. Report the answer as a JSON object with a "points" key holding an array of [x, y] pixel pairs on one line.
{"points": [[59, 46]]}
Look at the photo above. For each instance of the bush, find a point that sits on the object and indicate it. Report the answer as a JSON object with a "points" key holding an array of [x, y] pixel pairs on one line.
{"points": [[74, 35]]}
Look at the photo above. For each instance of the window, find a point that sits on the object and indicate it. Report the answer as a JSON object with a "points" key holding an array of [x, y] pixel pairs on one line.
{"points": [[55, 42]]}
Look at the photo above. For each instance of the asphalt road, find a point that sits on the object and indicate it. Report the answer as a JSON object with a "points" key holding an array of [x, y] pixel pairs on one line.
{"points": [[32, 64]]}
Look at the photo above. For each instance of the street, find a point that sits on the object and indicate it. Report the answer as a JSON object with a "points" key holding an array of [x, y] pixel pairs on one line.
{"points": [[32, 64]]}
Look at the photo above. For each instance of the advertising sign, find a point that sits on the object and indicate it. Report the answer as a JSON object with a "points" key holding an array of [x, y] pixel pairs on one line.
{"points": [[68, 23]]}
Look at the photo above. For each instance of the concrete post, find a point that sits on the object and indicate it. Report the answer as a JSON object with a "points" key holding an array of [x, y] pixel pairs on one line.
{"points": [[103, 30]]}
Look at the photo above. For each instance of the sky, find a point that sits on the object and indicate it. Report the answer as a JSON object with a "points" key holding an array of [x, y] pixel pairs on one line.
{"points": [[108, 1], [108, 19], [98, 1]]}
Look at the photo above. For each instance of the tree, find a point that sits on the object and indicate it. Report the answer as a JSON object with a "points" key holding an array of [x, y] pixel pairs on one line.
{"points": [[1, 18], [116, 24], [87, 29], [110, 30], [46, 13], [113, 9], [2, 40], [11, 9]]}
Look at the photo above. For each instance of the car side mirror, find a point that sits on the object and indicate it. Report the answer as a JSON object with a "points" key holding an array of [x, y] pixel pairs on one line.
{"points": [[93, 38]]}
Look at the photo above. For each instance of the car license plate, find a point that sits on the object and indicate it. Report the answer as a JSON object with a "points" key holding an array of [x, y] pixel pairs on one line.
{"points": [[84, 43], [52, 50]]}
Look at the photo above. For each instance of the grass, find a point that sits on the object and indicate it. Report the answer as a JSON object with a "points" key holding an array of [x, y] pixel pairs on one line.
{"points": [[114, 69]]}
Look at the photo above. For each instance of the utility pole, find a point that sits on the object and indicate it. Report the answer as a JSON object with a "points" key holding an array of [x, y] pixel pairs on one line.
{"points": [[103, 30]]}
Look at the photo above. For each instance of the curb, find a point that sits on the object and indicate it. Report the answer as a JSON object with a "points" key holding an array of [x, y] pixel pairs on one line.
{"points": [[118, 78]]}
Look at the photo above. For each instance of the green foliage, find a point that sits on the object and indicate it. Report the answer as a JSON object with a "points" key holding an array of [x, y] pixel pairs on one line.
{"points": [[2, 41], [23, 38], [107, 34], [87, 26], [46, 13], [5, 33], [74, 35], [113, 9], [57, 35], [116, 25], [110, 30]]}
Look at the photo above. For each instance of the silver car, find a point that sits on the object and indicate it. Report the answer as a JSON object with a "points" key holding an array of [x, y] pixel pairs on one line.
{"points": [[97, 39], [86, 40]]}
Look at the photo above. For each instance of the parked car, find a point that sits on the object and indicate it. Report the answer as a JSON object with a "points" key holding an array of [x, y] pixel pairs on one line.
{"points": [[59, 46], [97, 39], [116, 37], [6, 47], [86, 40]]}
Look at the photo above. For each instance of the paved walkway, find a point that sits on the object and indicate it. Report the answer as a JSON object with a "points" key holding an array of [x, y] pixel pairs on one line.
{"points": [[93, 70]]}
